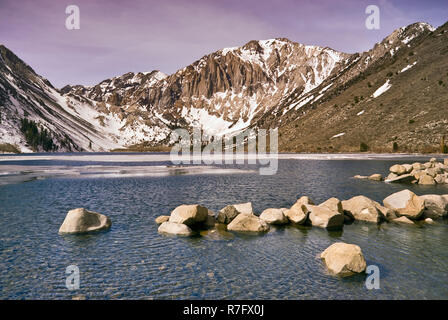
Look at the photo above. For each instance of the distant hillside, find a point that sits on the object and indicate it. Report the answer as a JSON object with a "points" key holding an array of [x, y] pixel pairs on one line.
{"points": [[399, 102]]}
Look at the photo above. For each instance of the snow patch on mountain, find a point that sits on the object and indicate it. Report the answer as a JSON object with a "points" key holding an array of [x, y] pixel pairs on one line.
{"points": [[408, 67], [386, 86]]}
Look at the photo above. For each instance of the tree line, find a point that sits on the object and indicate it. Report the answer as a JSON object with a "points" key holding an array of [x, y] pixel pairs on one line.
{"points": [[37, 136]]}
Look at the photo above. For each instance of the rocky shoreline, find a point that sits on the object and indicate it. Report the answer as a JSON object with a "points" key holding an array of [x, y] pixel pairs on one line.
{"points": [[429, 173], [332, 214]]}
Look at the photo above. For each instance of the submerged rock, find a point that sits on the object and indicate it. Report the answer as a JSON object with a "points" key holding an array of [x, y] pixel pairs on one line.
{"points": [[274, 216], [343, 259], [230, 212], [210, 222], [405, 178], [403, 220], [429, 221], [81, 220], [248, 223], [162, 219], [189, 214], [376, 177], [405, 203], [178, 229]]}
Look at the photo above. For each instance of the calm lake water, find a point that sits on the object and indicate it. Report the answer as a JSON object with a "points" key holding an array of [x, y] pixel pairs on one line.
{"points": [[133, 261]]}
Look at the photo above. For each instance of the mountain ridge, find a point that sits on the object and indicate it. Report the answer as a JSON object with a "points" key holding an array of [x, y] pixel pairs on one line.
{"points": [[262, 84]]}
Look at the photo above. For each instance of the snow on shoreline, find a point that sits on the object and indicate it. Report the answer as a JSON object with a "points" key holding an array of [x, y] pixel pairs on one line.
{"points": [[165, 157]]}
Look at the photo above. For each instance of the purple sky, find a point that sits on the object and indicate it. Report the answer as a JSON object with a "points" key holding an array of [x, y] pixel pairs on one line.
{"points": [[135, 35]]}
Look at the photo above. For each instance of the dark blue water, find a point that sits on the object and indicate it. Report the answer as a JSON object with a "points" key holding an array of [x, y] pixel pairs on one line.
{"points": [[133, 261]]}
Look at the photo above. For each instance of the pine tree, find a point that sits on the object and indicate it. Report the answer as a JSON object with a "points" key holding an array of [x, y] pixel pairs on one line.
{"points": [[443, 147], [395, 147]]}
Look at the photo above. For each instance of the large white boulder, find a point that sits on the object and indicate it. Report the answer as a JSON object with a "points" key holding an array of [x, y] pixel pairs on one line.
{"points": [[298, 213], [189, 214], [325, 218], [365, 209], [162, 219], [246, 222], [426, 179], [398, 169], [178, 229], [274, 216], [81, 220], [405, 203], [436, 206], [343, 259]]}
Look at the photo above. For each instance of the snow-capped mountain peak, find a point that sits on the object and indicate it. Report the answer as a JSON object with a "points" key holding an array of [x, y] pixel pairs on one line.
{"points": [[224, 92]]}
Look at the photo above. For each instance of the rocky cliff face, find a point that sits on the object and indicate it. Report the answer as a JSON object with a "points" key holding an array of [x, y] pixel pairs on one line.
{"points": [[221, 93], [273, 83]]}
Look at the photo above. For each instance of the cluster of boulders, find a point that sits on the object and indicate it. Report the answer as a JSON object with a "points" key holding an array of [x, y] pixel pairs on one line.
{"points": [[184, 218], [429, 173], [403, 206], [340, 258]]}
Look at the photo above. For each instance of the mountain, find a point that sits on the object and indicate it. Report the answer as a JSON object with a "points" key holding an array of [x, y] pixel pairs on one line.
{"points": [[221, 93], [393, 98], [377, 98], [53, 123]]}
